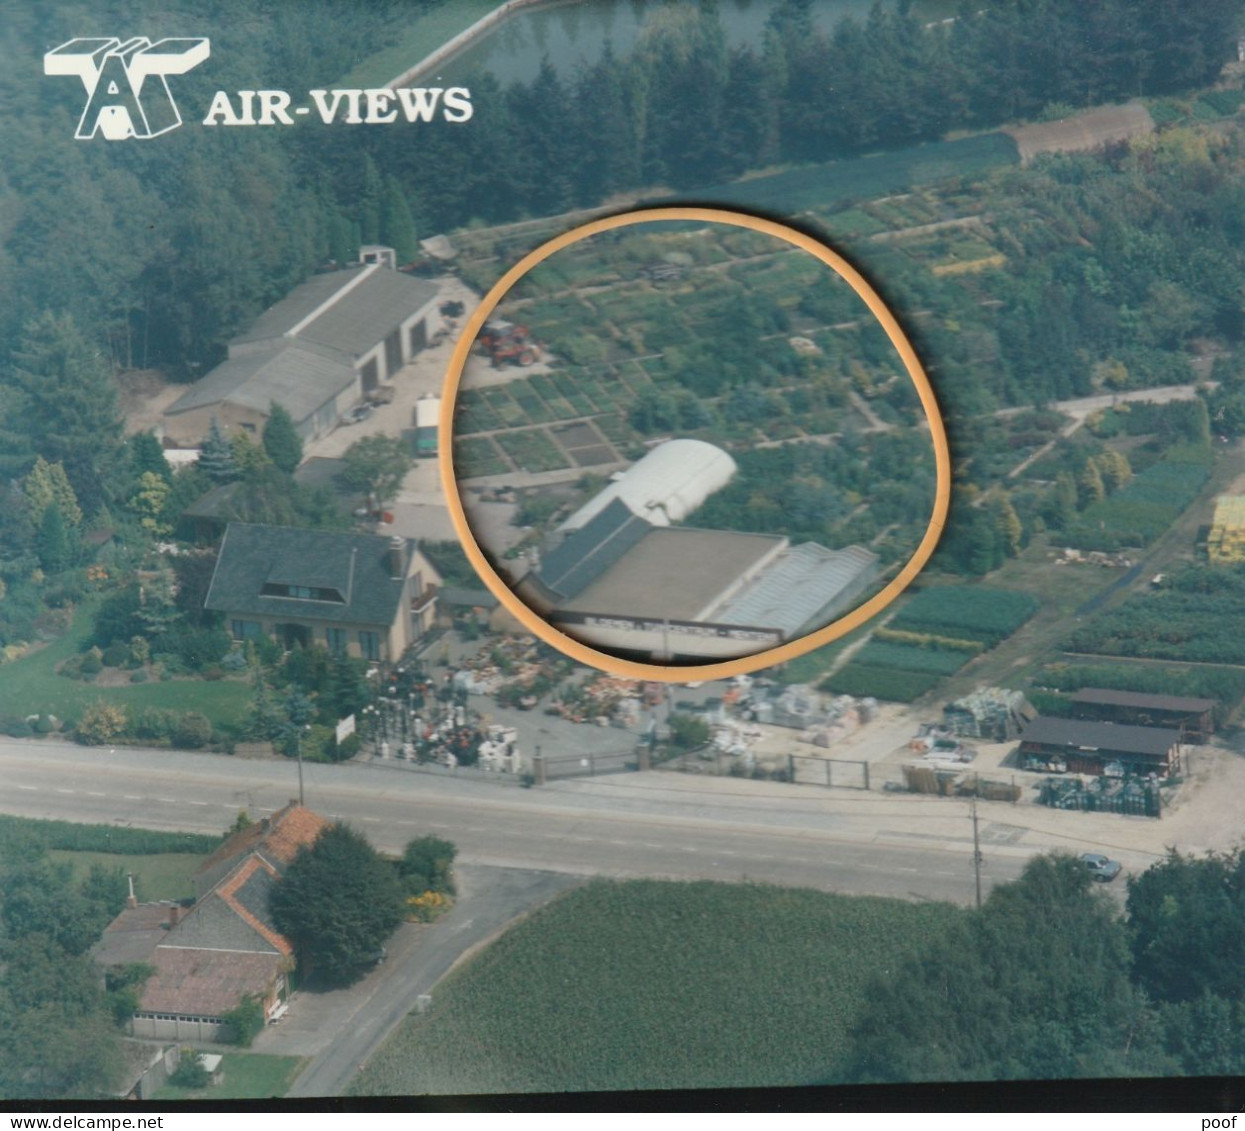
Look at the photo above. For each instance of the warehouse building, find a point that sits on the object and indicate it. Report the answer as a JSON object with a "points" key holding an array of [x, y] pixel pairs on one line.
{"points": [[677, 594], [1194, 718], [1084, 747], [330, 342]]}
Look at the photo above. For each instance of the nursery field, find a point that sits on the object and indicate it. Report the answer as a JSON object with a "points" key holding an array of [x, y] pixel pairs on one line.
{"points": [[658, 985], [931, 637]]}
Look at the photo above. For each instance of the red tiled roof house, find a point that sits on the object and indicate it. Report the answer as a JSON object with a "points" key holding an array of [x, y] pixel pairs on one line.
{"points": [[208, 957]]}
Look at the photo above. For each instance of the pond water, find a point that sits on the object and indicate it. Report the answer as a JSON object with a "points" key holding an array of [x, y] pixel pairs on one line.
{"points": [[575, 33]]}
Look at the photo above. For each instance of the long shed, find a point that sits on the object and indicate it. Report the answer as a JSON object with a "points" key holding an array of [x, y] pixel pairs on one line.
{"points": [[1088, 747]]}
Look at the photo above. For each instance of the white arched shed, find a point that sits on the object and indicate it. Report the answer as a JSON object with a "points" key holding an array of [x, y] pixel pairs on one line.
{"points": [[665, 486]]}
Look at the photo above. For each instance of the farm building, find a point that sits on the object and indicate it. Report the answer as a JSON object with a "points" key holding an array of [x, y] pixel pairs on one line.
{"points": [[1085, 747], [1226, 542], [648, 591], [207, 958], [360, 594], [1194, 718], [328, 343], [663, 487]]}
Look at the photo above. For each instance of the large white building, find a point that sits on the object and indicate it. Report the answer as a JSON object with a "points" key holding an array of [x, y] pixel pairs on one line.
{"points": [[665, 486]]}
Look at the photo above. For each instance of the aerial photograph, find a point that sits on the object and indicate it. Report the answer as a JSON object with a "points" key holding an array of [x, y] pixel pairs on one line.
{"points": [[294, 803]]}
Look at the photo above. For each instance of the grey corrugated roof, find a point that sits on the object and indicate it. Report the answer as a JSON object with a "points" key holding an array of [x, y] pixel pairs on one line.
{"points": [[280, 318], [1113, 698], [1107, 737], [297, 378], [364, 306], [251, 555], [796, 588], [591, 550]]}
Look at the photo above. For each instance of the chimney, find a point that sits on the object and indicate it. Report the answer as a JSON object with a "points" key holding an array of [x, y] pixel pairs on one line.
{"points": [[131, 900], [175, 915], [396, 557]]}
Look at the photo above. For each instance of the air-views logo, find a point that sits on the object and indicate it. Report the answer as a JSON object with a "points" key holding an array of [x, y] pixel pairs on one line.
{"points": [[127, 94]]}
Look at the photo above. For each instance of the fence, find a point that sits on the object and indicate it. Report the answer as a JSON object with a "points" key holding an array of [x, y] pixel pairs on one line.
{"points": [[589, 764], [465, 773]]}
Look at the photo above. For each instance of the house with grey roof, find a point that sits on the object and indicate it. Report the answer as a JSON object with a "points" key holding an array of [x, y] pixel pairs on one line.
{"points": [[331, 341], [363, 595]]}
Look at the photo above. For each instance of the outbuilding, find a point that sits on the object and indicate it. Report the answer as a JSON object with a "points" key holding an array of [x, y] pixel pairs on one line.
{"points": [[1086, 747]]}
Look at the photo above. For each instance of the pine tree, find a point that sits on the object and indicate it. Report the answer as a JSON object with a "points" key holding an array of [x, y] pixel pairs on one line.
{"points": [[1064, 502], [146, 454], [397, 226], [60, 402], [1007, 524], [216, 456], [1114, 468], [281, 440], [46, 485], [54, 546], [1089, 485]]}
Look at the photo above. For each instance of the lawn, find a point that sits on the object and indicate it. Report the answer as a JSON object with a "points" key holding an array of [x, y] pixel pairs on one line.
{"points": [[655, 984], [247, 1076], [31, 684], [169, 875]]}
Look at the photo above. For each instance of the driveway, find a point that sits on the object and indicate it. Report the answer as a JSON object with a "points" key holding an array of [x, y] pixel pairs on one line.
{"points": [[340, 1029]]}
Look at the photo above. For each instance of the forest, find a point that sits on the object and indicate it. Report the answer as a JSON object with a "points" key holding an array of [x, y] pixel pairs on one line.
{"points": [[217, 223]]}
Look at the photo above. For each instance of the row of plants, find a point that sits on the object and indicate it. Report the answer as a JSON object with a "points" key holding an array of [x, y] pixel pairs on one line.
{"points": [[975, 612]]}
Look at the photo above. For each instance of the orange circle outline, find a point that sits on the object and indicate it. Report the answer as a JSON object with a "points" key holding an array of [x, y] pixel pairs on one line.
{"points": [[631, 669]]}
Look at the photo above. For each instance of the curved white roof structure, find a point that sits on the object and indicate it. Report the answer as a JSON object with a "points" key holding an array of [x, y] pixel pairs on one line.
{"points": [[664, 487]]}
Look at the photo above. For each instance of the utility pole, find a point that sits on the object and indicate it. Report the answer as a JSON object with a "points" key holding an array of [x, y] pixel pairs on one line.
{"points": [[298, 745], [976, 853]]}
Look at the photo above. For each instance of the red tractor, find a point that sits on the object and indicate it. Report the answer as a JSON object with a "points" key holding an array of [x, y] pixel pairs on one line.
{"points": [[508, 344]]}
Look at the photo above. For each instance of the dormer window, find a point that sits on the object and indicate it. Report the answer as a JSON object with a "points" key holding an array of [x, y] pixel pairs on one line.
{"points": [[302, 592]]}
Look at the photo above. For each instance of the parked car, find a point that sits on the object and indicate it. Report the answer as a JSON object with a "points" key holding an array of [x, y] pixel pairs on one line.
{"points": [[359, 413], [1102, 868]]}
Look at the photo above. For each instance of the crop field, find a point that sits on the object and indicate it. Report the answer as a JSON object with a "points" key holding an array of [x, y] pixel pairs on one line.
{"points": [[974, 612], [1146, 506], [1197, 619], [933, 636], [657, 985], [893, 684]]}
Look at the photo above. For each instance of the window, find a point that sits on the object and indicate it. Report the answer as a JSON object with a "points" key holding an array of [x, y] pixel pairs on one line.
{"points": [[246, 629], [335, 638], [301, 592], [369, 645]]}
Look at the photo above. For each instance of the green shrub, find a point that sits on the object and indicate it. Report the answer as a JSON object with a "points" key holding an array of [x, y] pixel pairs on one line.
{"points": [[116, 654], [121, 839], [190, 1071], [193, 731], [139, 676], [19, 728], [245, 1022], [44, 725]]}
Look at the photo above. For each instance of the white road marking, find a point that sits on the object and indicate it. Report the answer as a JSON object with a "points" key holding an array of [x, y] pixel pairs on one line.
{"points": [[90, 794], [198, 802], [168, 800], [30, 788], [132, 797], [64, 791]]}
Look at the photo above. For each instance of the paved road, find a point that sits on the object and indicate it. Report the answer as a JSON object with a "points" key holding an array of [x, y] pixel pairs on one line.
{"points": [[342, 1028], [627, 825]]}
